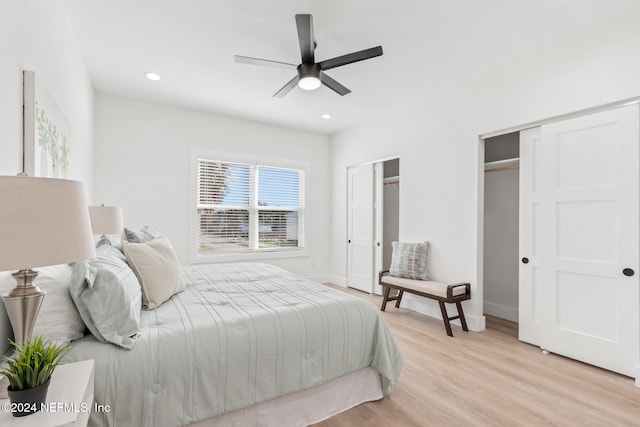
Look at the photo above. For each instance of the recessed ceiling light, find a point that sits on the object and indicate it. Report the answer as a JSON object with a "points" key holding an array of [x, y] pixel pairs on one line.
{"points": [[326, 116], [153, 76]]}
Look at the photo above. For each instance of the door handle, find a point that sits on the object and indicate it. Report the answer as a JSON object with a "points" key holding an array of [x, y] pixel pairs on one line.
{"points": [[628, 272], [349, 241], [525, 260]]}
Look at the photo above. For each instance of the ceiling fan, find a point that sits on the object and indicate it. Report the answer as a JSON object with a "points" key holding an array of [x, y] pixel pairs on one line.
{"points": [[310, 74]]}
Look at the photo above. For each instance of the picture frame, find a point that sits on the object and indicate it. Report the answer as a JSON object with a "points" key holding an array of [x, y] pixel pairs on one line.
{"points": [[46, 132]]}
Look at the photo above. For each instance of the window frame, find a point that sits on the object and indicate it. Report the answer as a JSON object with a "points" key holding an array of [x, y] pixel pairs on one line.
{"points": [[249, 254]]}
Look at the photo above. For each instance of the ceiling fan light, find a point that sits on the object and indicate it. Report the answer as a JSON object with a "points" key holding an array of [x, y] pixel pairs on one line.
{"points": [[309, 83]]}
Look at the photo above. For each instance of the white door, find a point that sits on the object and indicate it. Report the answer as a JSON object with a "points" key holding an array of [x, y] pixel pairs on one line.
{"points": [[583, 250], [378, 235], [531, 307], [360, 231]]}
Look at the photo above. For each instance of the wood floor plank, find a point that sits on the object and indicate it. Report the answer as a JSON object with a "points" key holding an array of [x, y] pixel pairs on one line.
{"points": [[489, 378]]}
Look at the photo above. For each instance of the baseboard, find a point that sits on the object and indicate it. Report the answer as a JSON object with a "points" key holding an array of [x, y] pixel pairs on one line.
{"points": [[336, 280], [342, 281], [321, 278], [501, 311], [432, 309]]}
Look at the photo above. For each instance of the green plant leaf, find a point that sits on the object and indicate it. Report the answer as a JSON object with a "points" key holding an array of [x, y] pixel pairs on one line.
{"points": [[33, 363]]}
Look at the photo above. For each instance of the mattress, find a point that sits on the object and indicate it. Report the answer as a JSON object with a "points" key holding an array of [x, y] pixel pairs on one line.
{"points": [[239, 334]]}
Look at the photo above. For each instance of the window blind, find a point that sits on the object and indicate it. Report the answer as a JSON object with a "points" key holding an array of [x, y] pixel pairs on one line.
{"points": [[280, 203], [243, 207]]}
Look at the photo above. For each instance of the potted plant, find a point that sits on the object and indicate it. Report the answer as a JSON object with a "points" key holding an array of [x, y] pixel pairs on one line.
{"points": [[29, 373]]}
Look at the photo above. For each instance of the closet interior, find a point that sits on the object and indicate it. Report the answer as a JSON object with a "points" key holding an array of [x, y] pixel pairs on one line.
{"points": [[391, 208], [501, 226]]}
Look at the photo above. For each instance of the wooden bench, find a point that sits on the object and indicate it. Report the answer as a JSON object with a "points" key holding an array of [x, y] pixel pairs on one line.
{"points": [[441, 292]]}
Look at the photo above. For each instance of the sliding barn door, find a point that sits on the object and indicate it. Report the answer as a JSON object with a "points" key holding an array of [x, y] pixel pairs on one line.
{"points": [[579, 262], [360, 228]]}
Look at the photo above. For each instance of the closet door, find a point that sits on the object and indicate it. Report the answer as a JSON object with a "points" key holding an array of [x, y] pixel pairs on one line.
{"points": [[531, 304], [360, 231], [378, 184], [584, 255]]}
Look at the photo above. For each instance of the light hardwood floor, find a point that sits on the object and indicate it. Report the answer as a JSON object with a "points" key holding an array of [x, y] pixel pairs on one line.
{"points": [[489, 379]]}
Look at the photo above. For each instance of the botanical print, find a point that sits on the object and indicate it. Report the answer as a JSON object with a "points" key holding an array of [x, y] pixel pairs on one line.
{"points": [[52, 150], [46, 143]]}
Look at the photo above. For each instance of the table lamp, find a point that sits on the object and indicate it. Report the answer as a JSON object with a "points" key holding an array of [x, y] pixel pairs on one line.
{"points": [[43, 221], [106, 219]]}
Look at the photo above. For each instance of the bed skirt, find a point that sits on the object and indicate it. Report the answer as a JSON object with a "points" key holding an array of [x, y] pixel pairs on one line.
{"points": [[308, 406]]}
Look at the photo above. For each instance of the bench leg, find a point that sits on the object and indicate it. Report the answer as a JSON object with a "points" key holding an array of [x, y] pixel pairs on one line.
{"points": [[461, 315], [445, 318], [385, 297], [400, 293]]}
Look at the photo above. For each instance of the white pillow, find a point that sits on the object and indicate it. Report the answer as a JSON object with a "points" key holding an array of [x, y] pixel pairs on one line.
{"points": [[58, 319], [157, 268]]}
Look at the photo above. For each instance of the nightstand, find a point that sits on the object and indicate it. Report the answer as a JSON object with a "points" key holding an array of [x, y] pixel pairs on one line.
{"points": [[69, 400]]}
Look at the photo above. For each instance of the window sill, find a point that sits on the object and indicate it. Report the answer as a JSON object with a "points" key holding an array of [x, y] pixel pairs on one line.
{"points": [[249, 256]]}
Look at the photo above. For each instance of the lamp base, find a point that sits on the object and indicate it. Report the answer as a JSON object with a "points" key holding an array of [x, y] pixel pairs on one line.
{"points": [[23, 304]]}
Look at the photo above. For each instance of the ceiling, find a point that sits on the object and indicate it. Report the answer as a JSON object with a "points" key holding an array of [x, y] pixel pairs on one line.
{"points": [[428, 45]]}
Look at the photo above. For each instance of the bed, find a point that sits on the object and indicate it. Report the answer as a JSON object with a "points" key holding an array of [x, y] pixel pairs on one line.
{"points": [[244, 344]]}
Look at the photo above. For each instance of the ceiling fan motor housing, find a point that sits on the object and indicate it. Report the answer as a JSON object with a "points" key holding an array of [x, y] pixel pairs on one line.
{"points": [[308, 70]]}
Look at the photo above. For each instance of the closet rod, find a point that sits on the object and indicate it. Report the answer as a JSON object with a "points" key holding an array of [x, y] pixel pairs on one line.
{"points": [[391, 180], [502, 168], [501, 165]]}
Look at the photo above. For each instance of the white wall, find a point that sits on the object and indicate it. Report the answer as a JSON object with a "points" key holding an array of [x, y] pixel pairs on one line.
{"points": [[436, 138], [36, 35], [143, 161]]}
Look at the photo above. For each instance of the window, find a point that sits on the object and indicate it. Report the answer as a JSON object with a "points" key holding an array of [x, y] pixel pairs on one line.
{"points": [[246, 207]]}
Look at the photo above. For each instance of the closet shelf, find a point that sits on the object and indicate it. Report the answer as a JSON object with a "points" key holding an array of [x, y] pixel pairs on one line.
{"points": [[391, 180], [500, 165]]}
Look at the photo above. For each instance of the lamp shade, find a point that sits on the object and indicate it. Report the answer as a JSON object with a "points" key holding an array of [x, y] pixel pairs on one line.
{"points": [[43, 221], [106, 219]]}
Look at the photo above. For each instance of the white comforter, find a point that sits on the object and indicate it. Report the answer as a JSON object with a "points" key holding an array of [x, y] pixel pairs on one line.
{"points": [[238, 335]]}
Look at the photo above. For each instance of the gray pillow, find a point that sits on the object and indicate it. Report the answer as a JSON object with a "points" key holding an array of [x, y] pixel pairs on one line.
{"points": [[114, 242], [107, 295], [409, 260], [143, 235]]}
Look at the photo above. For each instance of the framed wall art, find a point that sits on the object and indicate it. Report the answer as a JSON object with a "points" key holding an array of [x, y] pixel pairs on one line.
{"points": [[46, 141]]}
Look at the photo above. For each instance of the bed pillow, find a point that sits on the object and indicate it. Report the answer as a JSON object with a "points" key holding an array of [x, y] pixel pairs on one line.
{"points": [[157, 268], [113, 242], [142, 235], [409, 260], [107, 295], [58, 320]]}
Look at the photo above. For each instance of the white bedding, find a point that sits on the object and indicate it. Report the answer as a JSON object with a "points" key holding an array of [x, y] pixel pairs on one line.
{"points": [[240, 334]]}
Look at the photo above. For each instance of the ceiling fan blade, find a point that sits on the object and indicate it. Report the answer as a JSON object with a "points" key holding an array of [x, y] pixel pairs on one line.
{"points": [[287, 88], [350, 58], [264, 62], [333, 85], [305, 37]]}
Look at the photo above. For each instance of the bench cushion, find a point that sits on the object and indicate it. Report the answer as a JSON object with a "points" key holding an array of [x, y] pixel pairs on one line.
{"points": [[426, 286]]}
